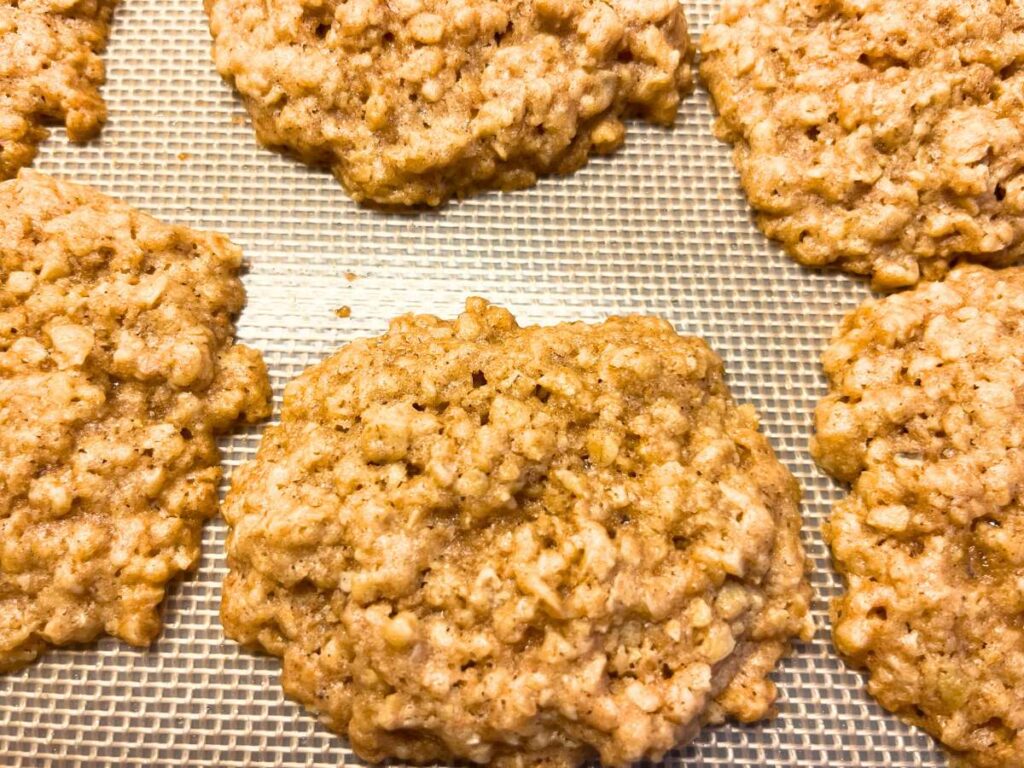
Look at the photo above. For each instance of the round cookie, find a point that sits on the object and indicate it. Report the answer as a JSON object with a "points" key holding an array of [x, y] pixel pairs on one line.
{"points": [[50, 71], [474, 541], [117, 369], [925, 419], [415, 101], [885, 138]]}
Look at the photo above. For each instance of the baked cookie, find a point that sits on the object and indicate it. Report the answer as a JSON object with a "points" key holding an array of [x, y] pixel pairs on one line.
{"points": [[117, 369], [474, 541], [414, 101], [50, 70], [885, 138], [925, 418]]}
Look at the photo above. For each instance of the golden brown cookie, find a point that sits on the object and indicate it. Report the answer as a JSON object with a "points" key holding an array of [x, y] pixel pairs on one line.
{"points": [[925, 420], [415, 101], [885, 138], [470, 540], [117, 369], [50, 71]]}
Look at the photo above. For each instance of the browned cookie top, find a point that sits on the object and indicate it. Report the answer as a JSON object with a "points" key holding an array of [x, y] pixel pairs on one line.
{"points": [[886, 138], [50, 71], [117, 369], [925, 418], [471, 540], [414, 101]]}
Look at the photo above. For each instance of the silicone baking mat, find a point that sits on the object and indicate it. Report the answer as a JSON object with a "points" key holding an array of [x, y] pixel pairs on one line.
{"points": [[658, 228]]}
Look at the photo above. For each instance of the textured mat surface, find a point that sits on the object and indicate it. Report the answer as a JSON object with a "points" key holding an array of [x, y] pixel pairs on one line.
{"points": [[658, 228]]}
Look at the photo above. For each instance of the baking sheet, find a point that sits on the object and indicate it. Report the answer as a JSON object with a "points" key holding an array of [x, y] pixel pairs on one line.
{"points": [[658, 228]]}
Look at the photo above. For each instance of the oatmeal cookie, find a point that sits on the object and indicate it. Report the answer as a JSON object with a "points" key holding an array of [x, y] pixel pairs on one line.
{"points": [[886, 138], [470, 540], [50, 70], [925, 418], [413, 101], [117, 369]]}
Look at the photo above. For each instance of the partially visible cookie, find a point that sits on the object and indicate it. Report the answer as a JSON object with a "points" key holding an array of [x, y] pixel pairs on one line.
{"points": [[50, 71], [925, 419], [521, 546], [117, 369], [885, 138], [415, 101]]}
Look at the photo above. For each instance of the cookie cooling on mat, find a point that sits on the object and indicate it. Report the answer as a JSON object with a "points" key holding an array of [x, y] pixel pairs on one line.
{"points": [[117, 368], [925, 419], [414, 101], [50, 71], [474, 541], [885, 138]]}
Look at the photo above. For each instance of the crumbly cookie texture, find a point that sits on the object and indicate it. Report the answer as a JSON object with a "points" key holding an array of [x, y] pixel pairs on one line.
{"points": [[886, 138], [925, 418], [117, 369], [50, 70], [521, 546], [414, 101]]}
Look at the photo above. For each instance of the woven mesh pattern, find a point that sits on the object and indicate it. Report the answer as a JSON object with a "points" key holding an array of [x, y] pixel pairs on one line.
{"points": [[658, 228]]}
